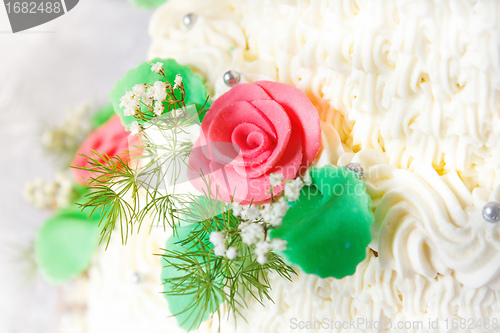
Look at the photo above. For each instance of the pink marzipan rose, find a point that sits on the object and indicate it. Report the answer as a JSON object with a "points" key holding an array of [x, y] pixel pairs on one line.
{"points": [[251, 131], [110, 139]]}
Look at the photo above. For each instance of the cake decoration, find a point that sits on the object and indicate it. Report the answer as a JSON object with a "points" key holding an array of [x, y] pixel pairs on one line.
{"points": [[357, 168], [249, 132], [414, 122], [249, 166], [491, 212], [133, 95], [327, 229], [66, 242], [231, 78], [109, 140], [147, 4], [189, 20]]}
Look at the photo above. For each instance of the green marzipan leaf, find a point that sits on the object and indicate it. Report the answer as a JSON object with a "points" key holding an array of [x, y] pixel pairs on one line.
{"points": [[196, 92], [328, 229]]}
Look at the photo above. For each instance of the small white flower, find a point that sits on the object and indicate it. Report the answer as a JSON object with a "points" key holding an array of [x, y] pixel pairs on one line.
{"points": [[177, 81], [251, 213], [273, 213], [251, 233], [157, 68], [160, 91], [127, 99], [307, 177], [279, 244], [266, 211], [148, 96], [135, 128], [220, 250], [139, 90], [129, 111], [158, 110], [217, 238], [232, 253], [262, 259], [275, 179], [261, 250], [130, 103], [292, 189], [237, 209], [280, 207]]}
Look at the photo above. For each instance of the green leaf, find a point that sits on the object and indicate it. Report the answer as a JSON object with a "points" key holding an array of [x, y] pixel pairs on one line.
{"points": [[196, 92], [66, 242], [192, 287], [328, 229], [102, 116], [147, 4]]}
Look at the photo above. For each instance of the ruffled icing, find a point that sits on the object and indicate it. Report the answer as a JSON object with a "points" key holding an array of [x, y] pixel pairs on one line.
{"points": [[372, 294], [428, 224], [125, 288]]}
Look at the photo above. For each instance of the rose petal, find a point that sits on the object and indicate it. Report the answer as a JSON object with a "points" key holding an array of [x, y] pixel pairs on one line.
{"points": [[253, 143], [282, 125], [110, 139], [244, 92], [225, 123], [302, 113]]}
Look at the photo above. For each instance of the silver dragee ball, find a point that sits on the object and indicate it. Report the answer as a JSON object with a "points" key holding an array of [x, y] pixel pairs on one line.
{"points": [[491, 212], [135, 278], [356, 168], [231, 78], [189, 20]]}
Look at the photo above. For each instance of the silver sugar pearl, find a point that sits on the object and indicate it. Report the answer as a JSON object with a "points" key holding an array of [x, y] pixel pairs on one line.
{"points": [[189, 20], [356, 168], [231, 78], [135, 278], [491, 212]]}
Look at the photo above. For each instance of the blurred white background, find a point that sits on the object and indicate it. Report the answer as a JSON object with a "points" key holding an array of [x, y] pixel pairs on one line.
{"points": [[44, 72]]}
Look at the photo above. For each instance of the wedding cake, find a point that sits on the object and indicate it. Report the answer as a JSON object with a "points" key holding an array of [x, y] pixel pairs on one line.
{"points": [[407, 90]]}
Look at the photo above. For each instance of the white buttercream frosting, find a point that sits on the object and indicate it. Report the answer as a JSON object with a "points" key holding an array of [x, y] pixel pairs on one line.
{"points": [[428, 224], [124, 292]]}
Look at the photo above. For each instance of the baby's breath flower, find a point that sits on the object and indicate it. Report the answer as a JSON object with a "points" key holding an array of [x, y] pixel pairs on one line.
{"points": [[127, 99], [217, 238], [251, 213], [158, 110], [220, 250], [306, 178], [49, 194], [157, 68], [273, 213], [129, 111], [251, 233], [135, 128], [130, 103], [292, 189], [160, 91], [232, 253], [278, 244], [275, 179], [139, 90], [177, 81], [148, 96], [237, 209], [261, 250]]}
